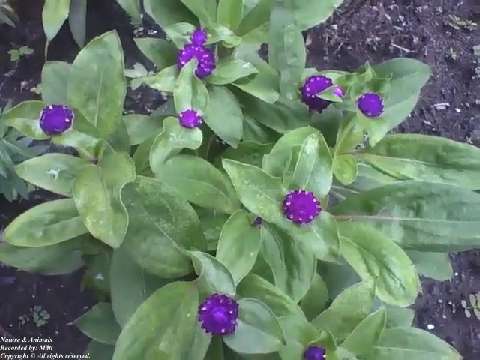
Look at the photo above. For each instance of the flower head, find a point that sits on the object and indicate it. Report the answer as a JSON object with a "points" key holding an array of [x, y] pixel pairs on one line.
{"points": [[314, 353], [258, 221], [190, 119], [313, 86], [56, 119], [204, 56], [371, 105], [199, 37], [301, 206], [218, 314]]}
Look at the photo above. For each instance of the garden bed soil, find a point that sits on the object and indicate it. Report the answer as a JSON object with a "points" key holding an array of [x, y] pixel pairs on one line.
{"points": [[438, 32]]}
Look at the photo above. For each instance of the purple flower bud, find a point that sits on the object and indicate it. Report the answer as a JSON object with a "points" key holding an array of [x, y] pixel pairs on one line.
{"points": [[313, 86], [314, 353], [199, 37], [190, 119], [258, 221], [338, 91], [56, 119], [218, 314], [204, 56], [371, 105], [301, 206]]}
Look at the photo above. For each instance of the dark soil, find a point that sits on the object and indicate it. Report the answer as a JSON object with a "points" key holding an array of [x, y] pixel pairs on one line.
{"points": [[434, 31]]}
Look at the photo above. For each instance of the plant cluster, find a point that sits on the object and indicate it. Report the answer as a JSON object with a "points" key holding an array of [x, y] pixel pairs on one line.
{"points": [[262, 212]]}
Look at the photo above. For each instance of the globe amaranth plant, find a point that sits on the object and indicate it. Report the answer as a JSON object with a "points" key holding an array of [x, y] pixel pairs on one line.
{"points": [[299, 235]]}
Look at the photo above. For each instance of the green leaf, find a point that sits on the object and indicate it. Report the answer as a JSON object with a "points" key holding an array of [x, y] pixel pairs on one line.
{"points": [[239, 244], [316, 299], [164, 80], [254, 286], [180, 33], [130, 285], [414, 344], [212, 223], [256, 17], [263, 86], [248, 152], [407, 77], [399, 317], [199, 182], [141, 127], [259, 192], [365, 336], [376, 258], [347, 311], [433, 265], [97, 195], [88, 146], [286, 51], [345, 168], [256, 133], [426, 158], [231, 70], [62, 258], [99, 351], [205, 10], [161, 226], [224, 115], [132, 8], [168, 12], [54, 82], [47, 224], [258, 331], [292, 262], [213, 276], [98, 91], [302, 158], [52, 172], [190, 92], [418, 215], [165, 327], [25, 117], [173, 139], [99, 324], [308, 14], [159, 51], [230, 13], [77, 20], [281, 117], [54, 14]]}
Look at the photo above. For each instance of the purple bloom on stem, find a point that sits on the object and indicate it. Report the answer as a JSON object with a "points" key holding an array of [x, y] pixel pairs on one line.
{"points": [[314, 353], [313, 86], [56, 119], [204, 56], [371, 105], [199, 37], [258, 221], [218, 314], [301, 206], [190, 119]]}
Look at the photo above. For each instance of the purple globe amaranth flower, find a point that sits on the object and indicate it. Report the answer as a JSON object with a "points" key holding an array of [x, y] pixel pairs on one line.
{"points": [[313, 86], [371, 105], [190, 119], [218, 314], [314, 353], [199, 37], [301, 206], [56, 119], [204, 56]]}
